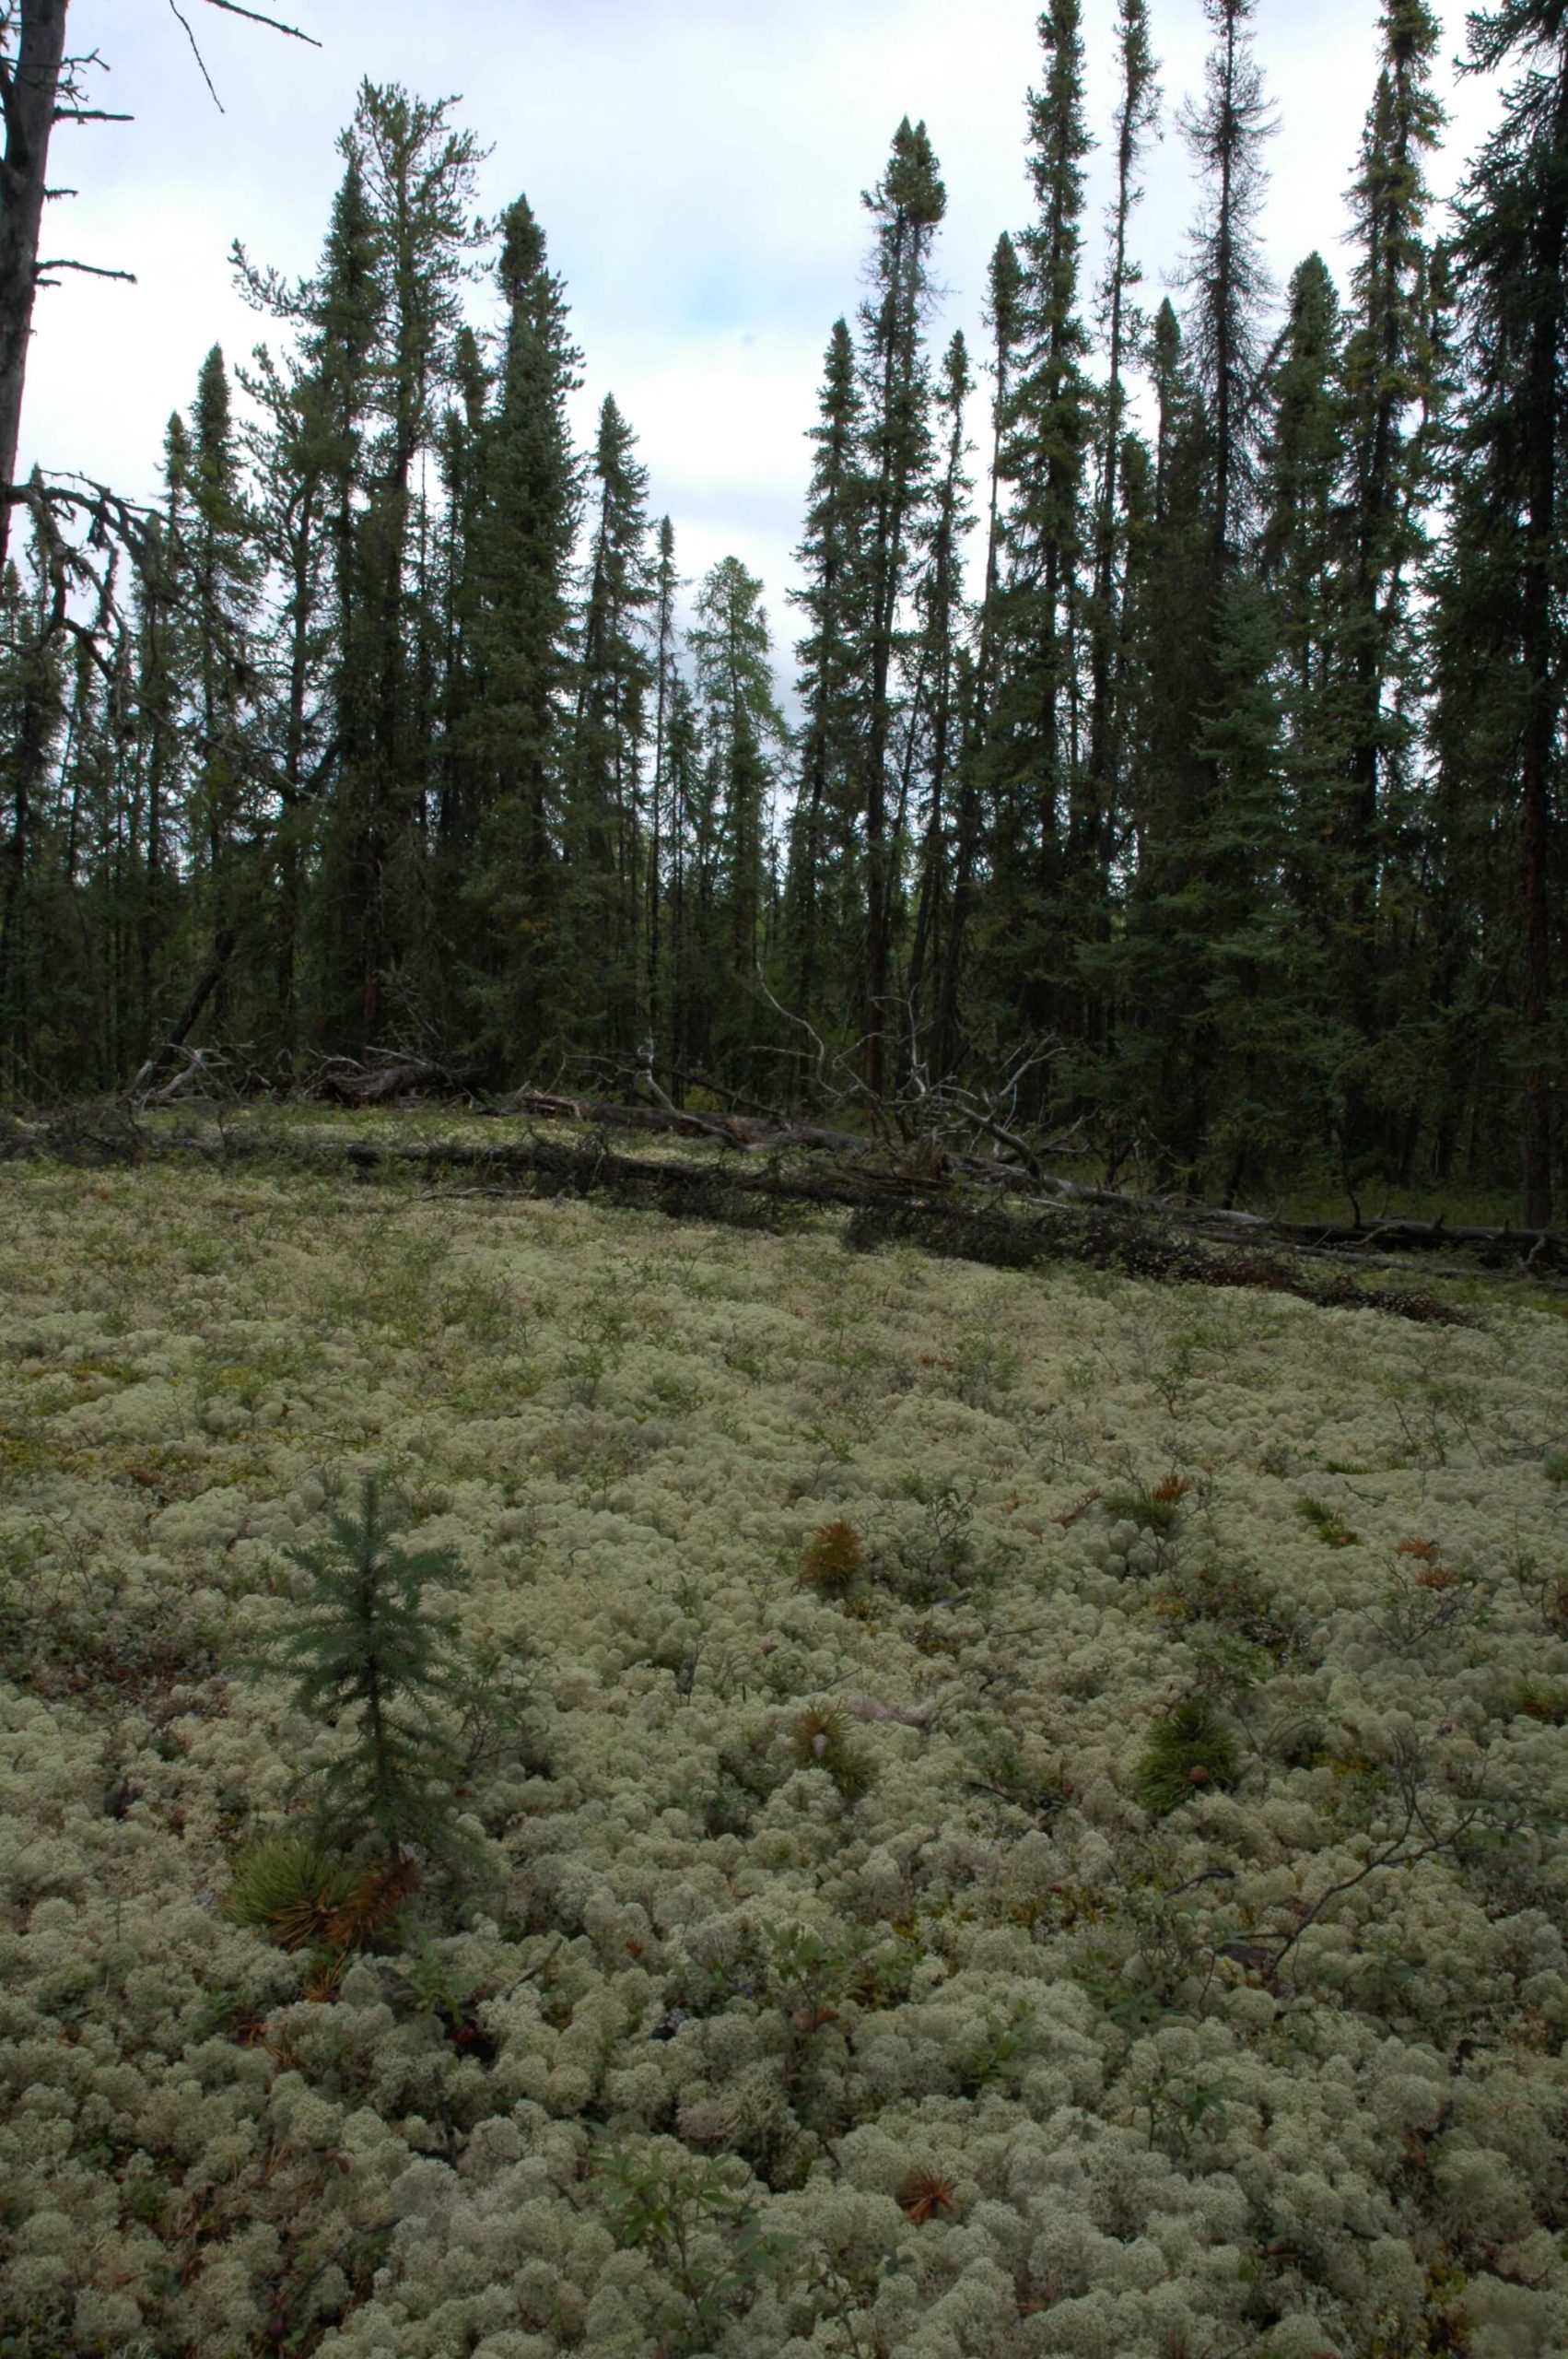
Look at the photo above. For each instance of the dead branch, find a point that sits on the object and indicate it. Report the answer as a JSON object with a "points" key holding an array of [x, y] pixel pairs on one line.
{"points": [[273, 24]]}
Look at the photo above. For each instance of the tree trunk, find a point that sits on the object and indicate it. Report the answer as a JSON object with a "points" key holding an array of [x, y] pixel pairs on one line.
{"points": [[29, 89]]}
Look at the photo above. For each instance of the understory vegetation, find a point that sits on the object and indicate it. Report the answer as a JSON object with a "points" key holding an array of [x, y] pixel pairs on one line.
{"points": [[573, 1780]]}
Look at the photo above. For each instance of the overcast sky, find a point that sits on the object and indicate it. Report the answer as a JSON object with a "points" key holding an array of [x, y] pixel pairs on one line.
{"points": [[695, 165]]}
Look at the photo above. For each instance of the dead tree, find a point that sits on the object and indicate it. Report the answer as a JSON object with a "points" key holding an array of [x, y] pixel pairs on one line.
{"points": [[43, 84]]}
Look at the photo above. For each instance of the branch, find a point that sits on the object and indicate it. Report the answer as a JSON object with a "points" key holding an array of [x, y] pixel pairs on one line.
{"points": [[232, 9], [93, 269], [89, 114], [196, 53]]}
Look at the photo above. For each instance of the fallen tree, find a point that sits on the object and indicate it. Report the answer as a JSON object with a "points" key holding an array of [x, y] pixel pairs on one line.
{"points": [[937, 1204]]}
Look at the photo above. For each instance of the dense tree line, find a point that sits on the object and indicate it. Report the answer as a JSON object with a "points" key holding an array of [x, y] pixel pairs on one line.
{"points": [[1217, 805]]}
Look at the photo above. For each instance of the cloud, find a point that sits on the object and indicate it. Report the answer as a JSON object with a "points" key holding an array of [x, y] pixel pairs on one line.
{"points": [[696, 167]]}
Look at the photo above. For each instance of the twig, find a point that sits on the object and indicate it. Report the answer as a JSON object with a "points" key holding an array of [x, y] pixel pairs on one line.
{"points": [[195, 52], [274, 24]]}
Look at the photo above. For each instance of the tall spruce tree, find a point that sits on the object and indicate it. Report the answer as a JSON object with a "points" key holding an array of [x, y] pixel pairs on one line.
{"points": [[907, 204], [976, 674], [940, 602], [1387, 366], [1048, 446], [1303, 467], [218, 595], [1136, 110], [832, 601], [744, 733], [1204, 621], [1226, 280], [661, 821], [287, 444], [603, 821], [526, 513], [415, 178], [1513, 254]]}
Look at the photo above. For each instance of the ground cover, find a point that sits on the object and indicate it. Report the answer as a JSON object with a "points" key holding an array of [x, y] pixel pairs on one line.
{"points": [[990, 1812]]}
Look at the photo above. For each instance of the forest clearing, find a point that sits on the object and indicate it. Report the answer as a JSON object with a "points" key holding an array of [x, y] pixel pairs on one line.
{"points": [[959, 1811], [909, 1699]]}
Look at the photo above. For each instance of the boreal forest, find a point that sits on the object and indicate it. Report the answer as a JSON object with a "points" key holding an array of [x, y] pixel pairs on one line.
{"points": [[1164, 745]]}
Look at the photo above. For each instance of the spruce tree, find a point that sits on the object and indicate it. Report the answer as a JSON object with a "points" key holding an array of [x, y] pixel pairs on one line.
{"points": [[1387, 379], [744, 732], [217, 586], [907, 205], [1037, 719], [1302, 473], [339, 315], [528, 505], [289, 447], [975, 676], [366, 1648], [1136, 111], [603, 819], [831, 557], [661, 825], [941, 607], [1512, 255], [1227, 283]]}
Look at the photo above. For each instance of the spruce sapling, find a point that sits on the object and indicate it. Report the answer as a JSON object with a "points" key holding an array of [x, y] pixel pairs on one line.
{"points": [[366, 1645]]}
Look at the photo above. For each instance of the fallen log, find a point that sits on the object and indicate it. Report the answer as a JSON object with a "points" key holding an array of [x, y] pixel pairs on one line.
{"points": [[885, 1208], [888, 1204], [1538, 1249]]}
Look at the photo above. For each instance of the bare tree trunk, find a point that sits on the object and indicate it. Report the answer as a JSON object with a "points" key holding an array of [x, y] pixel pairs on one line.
{"points": [[29, 94]]}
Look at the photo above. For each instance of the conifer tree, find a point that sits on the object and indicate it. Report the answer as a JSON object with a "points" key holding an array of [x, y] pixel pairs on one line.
{"points": [[1046, 453], [1513, 254], [527, 508], [940, 602], [367, 1648], [1227, 283], [1151, 1078], [907, 205], [289, 447], [662, 824], [688, 856], [1136, 111], [1387, 379], [1303, 470], [603, 824], [832, 558], [418, 178], [975, 678], [1203, 622], [218, 592], [743, 732]]}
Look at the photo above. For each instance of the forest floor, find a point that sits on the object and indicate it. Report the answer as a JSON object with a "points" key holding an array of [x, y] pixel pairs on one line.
{"points": [[1001, 1810]]}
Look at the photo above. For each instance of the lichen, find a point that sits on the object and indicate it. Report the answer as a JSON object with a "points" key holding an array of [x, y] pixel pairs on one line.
{"points": [[809, 1892]]}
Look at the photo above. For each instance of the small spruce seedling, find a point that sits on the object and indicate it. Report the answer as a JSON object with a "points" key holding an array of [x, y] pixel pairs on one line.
{"points": [[1191, 1751], [366, 1651]]}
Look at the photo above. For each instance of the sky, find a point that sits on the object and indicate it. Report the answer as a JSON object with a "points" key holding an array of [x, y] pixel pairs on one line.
{"points": [[696, 167]]}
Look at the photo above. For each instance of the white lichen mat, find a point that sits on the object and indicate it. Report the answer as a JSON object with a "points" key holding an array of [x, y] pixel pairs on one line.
{"points": [[856, 1950]]}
